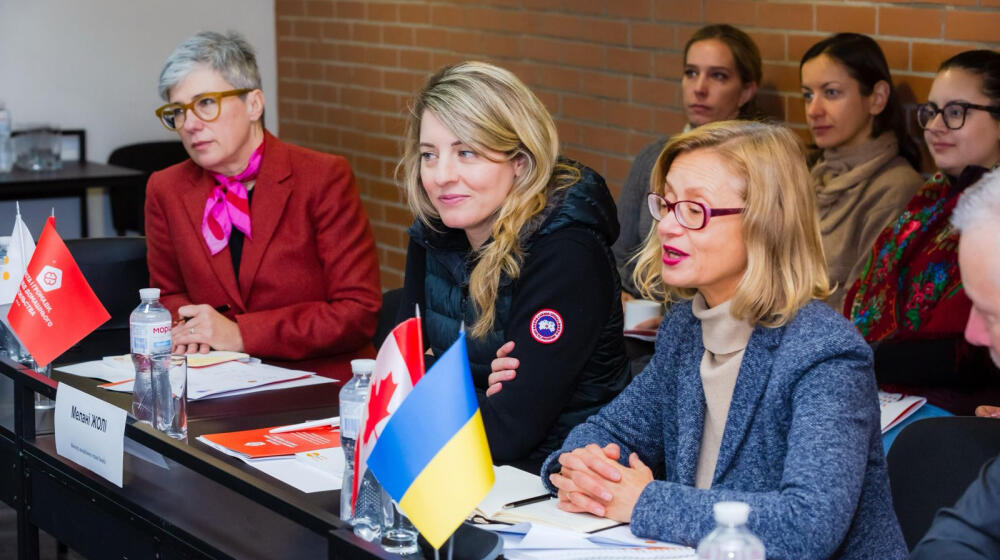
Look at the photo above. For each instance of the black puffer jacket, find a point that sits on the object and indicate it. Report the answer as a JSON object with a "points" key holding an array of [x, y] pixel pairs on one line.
{"points": [[565, 374]]}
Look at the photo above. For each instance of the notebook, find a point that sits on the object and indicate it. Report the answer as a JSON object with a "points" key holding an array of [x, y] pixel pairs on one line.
{"points": [[513, 484]]}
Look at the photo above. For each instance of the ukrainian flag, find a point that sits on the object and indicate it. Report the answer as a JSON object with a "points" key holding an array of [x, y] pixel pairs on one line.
{"points": [[432, 457]]}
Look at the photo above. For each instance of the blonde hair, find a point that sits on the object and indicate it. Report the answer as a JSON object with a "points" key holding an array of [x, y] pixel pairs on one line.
{"points": [[786, 266], [489, 109]]}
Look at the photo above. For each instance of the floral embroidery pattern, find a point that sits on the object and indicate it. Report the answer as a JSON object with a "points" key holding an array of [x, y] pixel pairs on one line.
{"points": [[912, 266]]}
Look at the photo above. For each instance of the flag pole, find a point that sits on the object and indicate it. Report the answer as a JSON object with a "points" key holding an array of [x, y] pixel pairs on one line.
{"points": [[451, 541], [20, 239], [416, 308]]}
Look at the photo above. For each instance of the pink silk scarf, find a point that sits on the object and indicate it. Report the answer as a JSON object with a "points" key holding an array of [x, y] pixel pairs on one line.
{"points": [[227, 205]]}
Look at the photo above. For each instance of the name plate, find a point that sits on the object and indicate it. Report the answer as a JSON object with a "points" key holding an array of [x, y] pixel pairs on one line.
{"points": [[90, 432]]}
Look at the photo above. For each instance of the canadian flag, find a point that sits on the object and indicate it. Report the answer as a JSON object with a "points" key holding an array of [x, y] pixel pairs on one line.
{"points": [[54, 307], [398, 366]]}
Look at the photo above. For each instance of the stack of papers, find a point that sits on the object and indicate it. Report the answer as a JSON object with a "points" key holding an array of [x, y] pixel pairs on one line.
{"points": [[529, 541], [224, 379]]}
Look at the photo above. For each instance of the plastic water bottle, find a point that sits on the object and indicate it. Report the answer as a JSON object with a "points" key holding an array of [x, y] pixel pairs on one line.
{"points": [[731, 540], [149, 330], [353, 398], [6, 143]]}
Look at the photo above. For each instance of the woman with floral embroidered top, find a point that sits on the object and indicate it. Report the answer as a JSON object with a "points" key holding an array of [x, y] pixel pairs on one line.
{"points": [[909, 302]]}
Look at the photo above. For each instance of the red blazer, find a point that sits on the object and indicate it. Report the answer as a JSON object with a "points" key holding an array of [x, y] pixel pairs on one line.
{"points": [[308, 291]]}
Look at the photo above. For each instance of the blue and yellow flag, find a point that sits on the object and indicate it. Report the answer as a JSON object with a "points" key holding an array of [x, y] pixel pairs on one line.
{"points": [[432, 456]]}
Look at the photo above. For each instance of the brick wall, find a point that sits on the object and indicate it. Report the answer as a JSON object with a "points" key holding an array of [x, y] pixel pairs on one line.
{"points": [[608, 70]]}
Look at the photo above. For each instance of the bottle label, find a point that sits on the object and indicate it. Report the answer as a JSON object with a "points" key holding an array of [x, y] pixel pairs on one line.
{"points": [[350, 419], [150, 338]]}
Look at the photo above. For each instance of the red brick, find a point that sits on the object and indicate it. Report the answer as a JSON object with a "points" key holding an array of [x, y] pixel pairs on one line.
{"points": [[337, 30], [913, 89], [786, 16], [771, 45], [381, 56], [926, 57], [447, 16], [583, 108], [569, 132], [415, 59], [607, 140], [322, 9], [296, 49], [910, 22], [431, 38], [669, 121], [604, 85], [860, 19], [589, 55], [678, 10], [972, 25], [496, 44], [897, 54], [736, 12], [465, 42], [668, 65], [631, 61], [414, 13], [781, 77], [366, 32], [654, 92], [559, 77], [383, 11], [540, 49], [799, 44], [652, 35], [289, 8], [351, 10], [636, 9], [398, 35]]}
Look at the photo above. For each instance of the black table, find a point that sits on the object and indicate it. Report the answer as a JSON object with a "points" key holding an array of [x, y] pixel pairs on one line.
{"points": [[205, 505], [73, 179]]}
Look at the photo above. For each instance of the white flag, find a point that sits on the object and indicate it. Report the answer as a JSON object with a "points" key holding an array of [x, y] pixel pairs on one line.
{"points": [[13, 265]]}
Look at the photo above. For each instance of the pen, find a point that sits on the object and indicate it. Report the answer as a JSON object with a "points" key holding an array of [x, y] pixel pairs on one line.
{"points": [[527, 501], [334, 421], [221, 309]]}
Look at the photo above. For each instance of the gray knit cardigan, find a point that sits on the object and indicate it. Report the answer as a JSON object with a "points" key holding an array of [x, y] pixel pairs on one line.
{"points": [[802, 444]]}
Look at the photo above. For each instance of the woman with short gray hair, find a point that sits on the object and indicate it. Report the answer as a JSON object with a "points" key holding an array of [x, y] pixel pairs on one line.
{"points": [[257, 246]]}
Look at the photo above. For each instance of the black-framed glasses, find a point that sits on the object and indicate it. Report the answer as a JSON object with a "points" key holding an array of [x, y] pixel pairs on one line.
{"points": [[689, 214], [207, 106], [953, 113]]}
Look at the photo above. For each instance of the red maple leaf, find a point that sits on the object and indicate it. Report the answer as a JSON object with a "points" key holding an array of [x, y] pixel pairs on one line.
{"points": [[378, 406]]}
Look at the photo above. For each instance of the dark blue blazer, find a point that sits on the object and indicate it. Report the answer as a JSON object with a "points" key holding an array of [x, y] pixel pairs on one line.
{"points": [[802, 443]]}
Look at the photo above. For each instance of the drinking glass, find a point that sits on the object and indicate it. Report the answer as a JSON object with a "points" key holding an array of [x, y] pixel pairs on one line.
{"points": [[170, 395]]}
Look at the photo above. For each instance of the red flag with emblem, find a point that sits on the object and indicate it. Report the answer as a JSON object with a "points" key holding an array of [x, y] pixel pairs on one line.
{"points": [[54, 307], [398, 367]]}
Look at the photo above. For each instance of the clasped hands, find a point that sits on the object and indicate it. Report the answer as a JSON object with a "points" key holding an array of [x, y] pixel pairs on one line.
{"points": [[593, 481], [204, 329]]}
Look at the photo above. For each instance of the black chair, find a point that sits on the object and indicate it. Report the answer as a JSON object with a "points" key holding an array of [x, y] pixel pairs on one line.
{"points": [[391, 301], [932, 462], [127, 202], [115, 267]]}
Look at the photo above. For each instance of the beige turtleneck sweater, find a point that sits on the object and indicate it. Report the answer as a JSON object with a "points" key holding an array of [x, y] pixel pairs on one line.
{"points": [[725, 339]]}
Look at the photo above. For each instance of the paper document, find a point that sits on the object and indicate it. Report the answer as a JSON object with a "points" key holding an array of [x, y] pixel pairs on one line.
{"points": [[212, 358], [309, 460], [513, 485], [897, 407], [526, 540], [225, 378]]}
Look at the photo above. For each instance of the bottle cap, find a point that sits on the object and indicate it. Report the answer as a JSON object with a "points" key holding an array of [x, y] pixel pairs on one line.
{"points": [[149, 293], [731, 513], [362, 367]]}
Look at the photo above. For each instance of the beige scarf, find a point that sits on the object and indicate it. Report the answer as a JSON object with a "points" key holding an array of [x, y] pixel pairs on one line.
{"points": [[839, 171]]}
